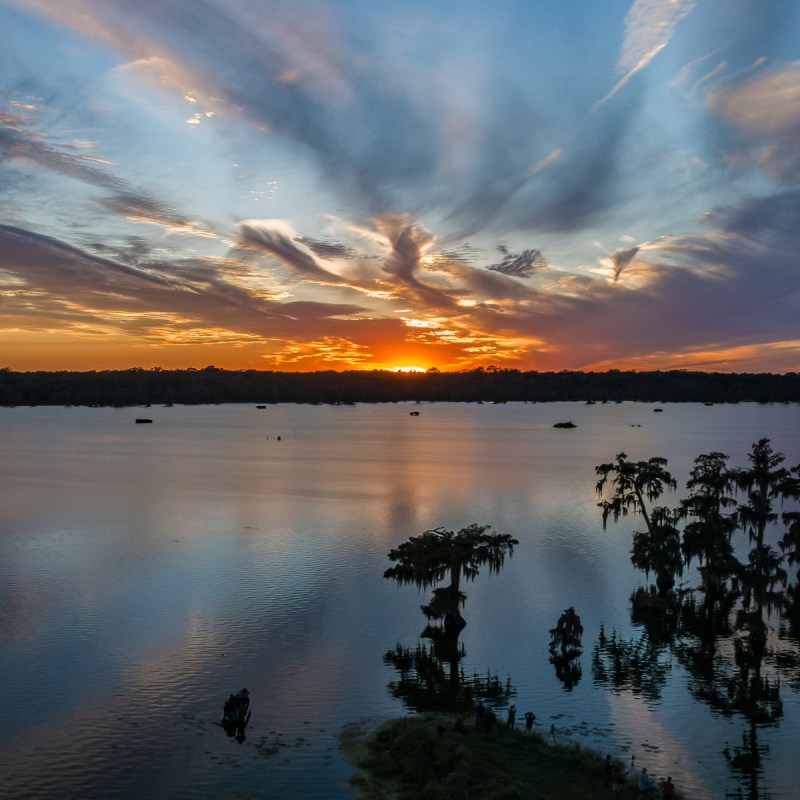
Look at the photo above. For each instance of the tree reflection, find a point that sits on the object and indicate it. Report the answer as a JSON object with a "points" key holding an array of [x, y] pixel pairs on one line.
{"points": [[726, 633], [566, 647], [724, 662], [745, 763], [705, 619], [430, 675], [636, 664], [427, 682], [791, 615]]}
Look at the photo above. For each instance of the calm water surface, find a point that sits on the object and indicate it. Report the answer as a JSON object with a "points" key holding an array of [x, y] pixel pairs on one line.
{"points": [[147, 571]]}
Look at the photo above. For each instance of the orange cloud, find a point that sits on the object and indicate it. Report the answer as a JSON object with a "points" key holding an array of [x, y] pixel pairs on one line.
{"points": [[762, 357]]}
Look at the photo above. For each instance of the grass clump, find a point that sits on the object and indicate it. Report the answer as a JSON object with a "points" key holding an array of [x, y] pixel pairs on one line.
{"points": [[423, 758]]}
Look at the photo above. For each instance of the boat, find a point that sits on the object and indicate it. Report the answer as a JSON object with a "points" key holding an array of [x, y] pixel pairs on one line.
{"points": [[236, 714]]}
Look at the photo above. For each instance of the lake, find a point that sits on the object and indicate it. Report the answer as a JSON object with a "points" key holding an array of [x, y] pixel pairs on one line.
{"points": [[148, 571]]}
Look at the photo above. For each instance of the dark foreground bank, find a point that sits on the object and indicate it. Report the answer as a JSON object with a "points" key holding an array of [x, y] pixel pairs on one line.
{"points": [[424, 758]]}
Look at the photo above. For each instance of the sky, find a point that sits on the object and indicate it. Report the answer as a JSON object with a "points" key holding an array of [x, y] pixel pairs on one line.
{"points": [[358, 184]]}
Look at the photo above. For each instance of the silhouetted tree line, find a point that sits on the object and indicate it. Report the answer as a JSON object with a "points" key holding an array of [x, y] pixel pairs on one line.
{"points": [[492, 384]]}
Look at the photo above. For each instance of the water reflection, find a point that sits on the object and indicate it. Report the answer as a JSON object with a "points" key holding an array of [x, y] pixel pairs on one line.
{"points": [[148, 571], [726, 670], [635, 664], [566, 647], [726, 633], [427, 682]]}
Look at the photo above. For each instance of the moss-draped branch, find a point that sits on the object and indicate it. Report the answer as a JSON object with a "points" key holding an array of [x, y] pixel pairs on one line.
{"points": [[429, 558]]}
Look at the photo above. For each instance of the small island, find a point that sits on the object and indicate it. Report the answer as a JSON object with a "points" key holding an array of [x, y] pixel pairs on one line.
{"points": [[568, 424], [426, 756]]}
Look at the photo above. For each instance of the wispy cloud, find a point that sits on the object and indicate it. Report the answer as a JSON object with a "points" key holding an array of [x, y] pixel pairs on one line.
{"points": [[140, 208], [520, 265], [191, 293], [319, 87], [649, 26], [621, 259], [712, 357], [20, 141], [328, 249], [261, 235], [408, 242], [767, 105]]}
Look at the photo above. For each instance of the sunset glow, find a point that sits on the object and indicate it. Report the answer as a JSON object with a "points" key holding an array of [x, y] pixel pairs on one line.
{"points": [[312, 187]]}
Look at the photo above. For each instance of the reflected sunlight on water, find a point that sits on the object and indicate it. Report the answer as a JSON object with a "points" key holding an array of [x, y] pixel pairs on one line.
{"points": [[146, 572]]}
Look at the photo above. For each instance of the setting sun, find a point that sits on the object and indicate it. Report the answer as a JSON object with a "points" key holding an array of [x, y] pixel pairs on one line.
{"points": [[408, 369]]}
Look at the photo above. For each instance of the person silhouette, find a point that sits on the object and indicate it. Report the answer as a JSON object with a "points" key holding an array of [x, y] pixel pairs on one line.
{"points": [[646, 783], [480, 714], [529, 718], [512, 717], [668, 787], [617, 780]]}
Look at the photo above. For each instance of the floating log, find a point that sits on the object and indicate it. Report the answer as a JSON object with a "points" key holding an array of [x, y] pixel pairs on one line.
{"points": [[141, 420]]}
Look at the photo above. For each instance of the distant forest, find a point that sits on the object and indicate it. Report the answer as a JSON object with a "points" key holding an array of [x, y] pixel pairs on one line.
{"points": [[489, 385]]}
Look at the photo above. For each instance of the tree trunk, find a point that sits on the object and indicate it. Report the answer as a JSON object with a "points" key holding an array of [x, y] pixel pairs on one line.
{"points": [[665, 584], [643, 509], [453, 619]]}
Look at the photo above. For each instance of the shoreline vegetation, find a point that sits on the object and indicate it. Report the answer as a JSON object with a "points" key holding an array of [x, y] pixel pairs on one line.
{"points": [[137, 386], [424, 758]]}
